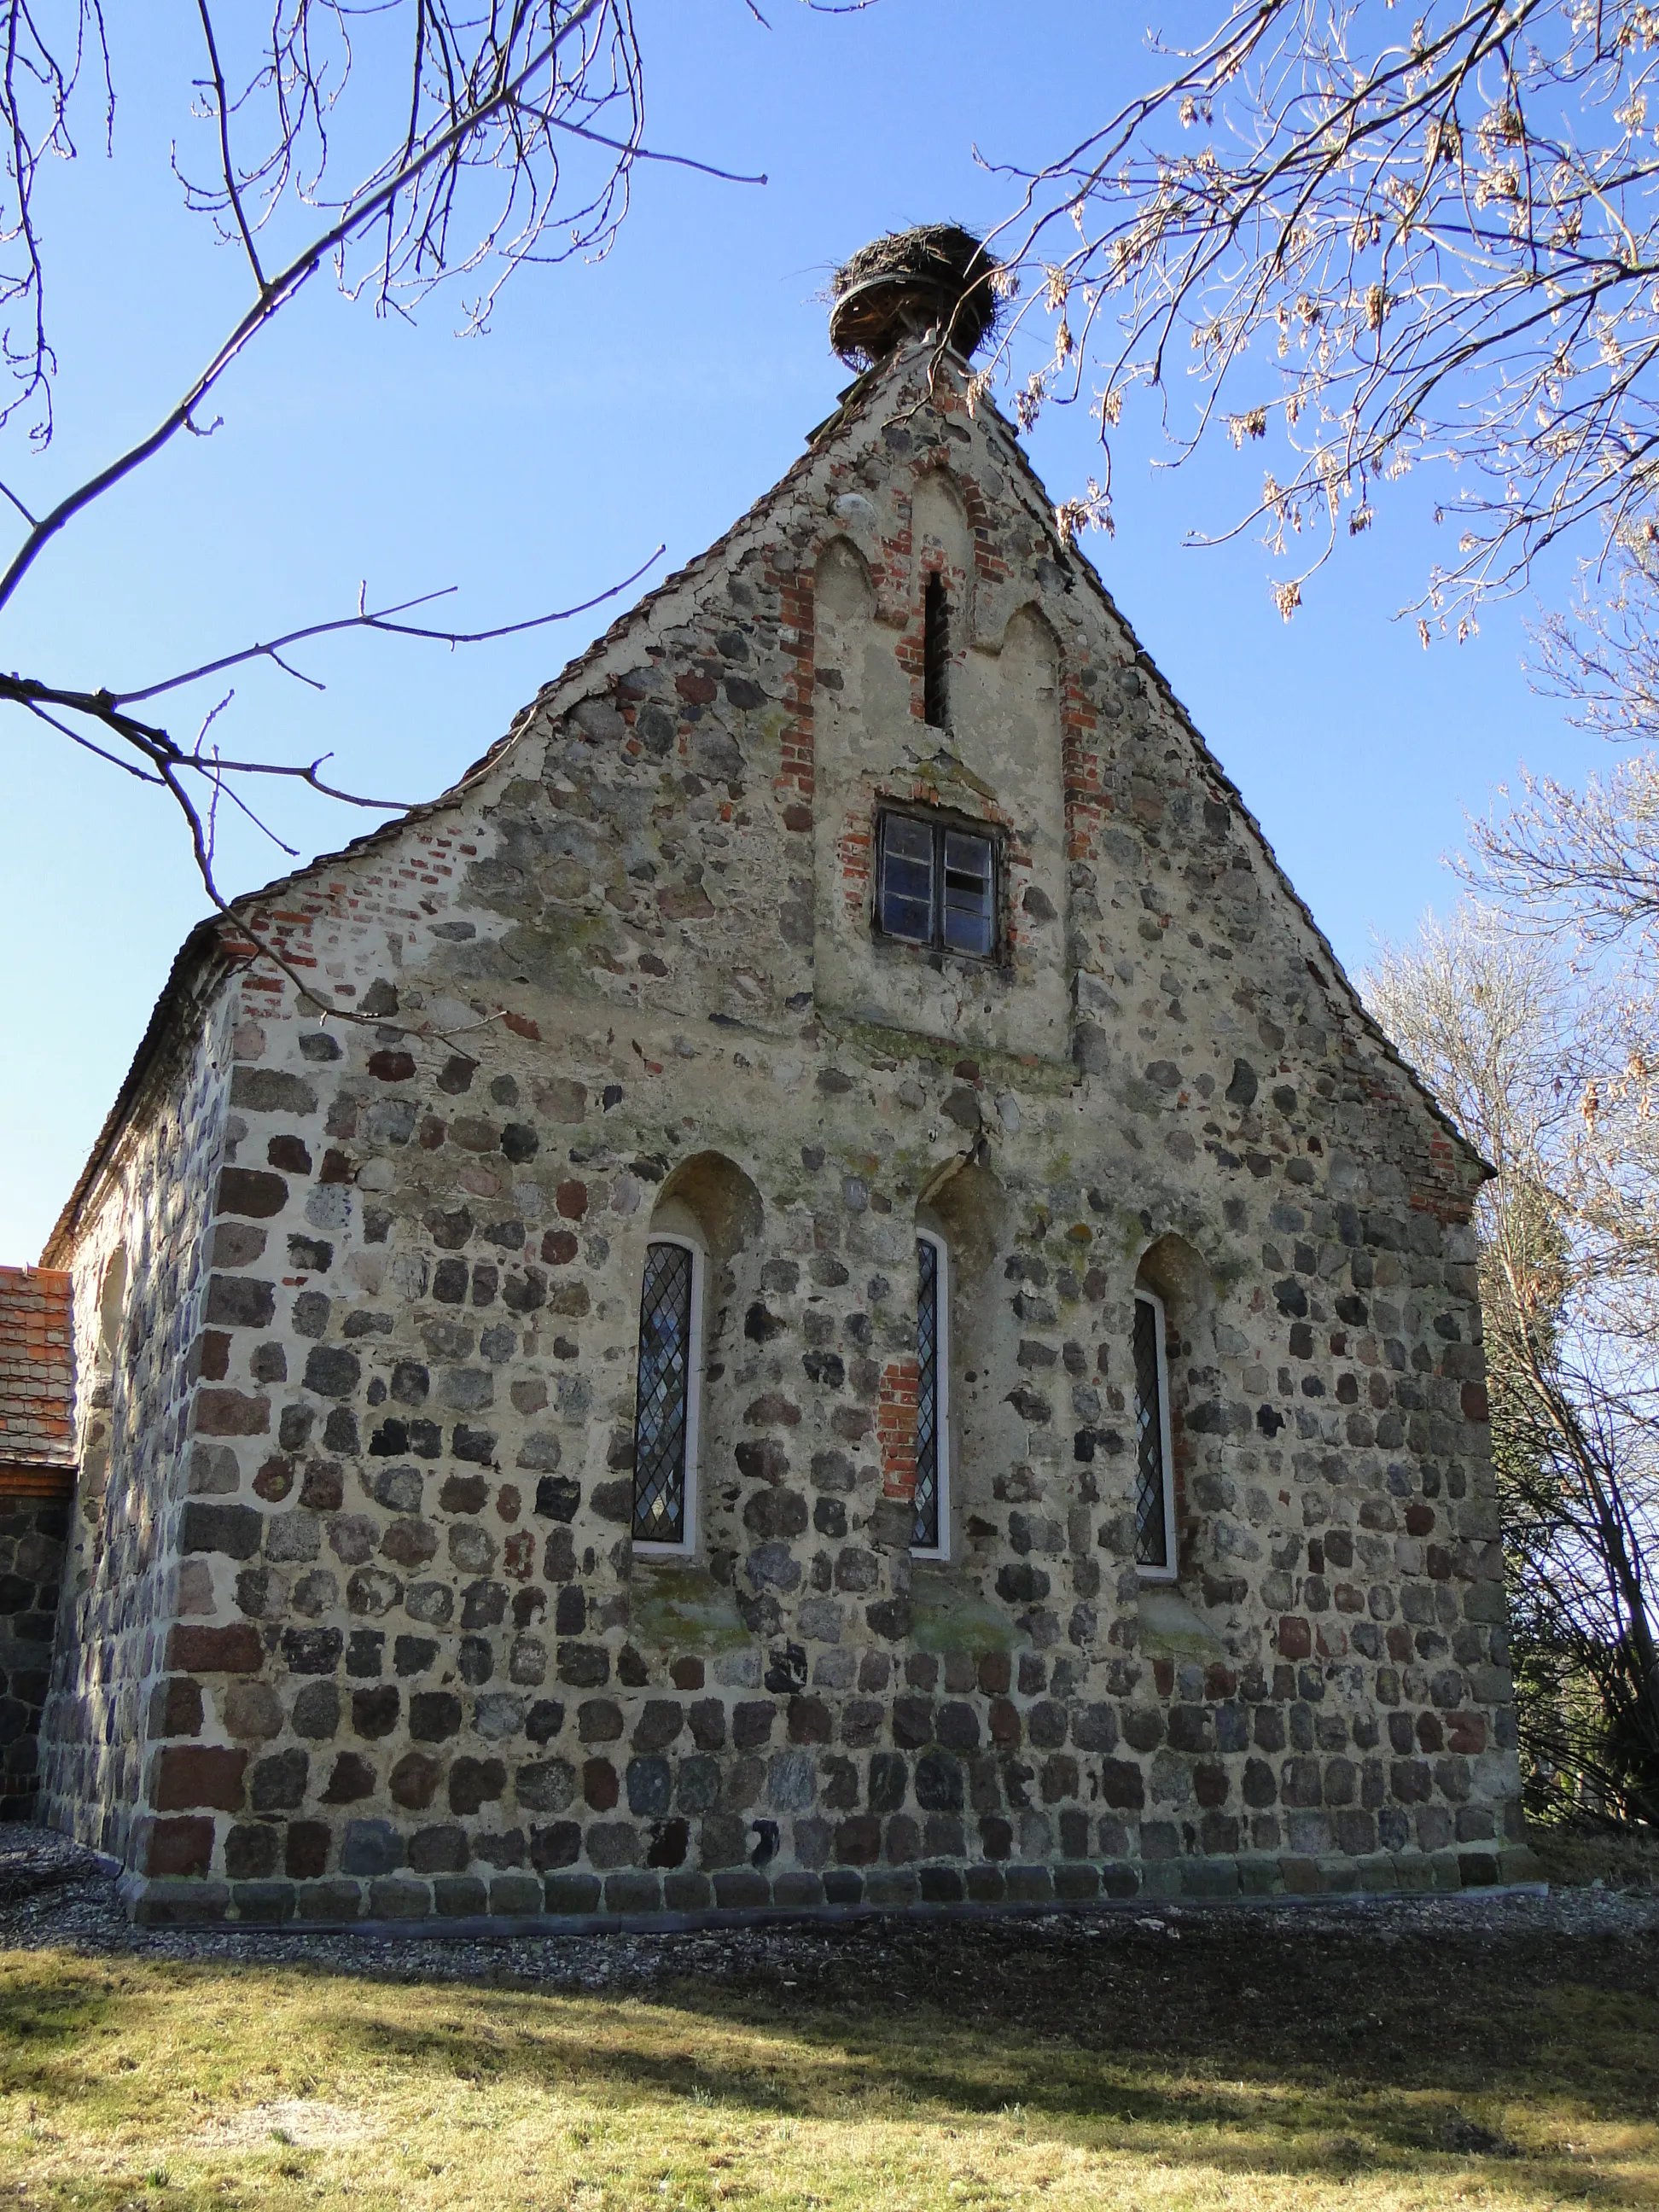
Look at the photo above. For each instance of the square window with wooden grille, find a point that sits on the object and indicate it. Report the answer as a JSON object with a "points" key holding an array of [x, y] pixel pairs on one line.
{"points": [[936, 884], [1154, 1497], [666, 1398]]}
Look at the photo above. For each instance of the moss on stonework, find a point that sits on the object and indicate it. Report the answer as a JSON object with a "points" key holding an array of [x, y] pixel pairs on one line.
{"points": [[947, 1616], [1170, 1624], [944, 768], [1034, 1076], [1132, 1232], [678, 1606], [555, 950]]}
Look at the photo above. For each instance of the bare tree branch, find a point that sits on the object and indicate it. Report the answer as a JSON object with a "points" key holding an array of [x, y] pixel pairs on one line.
{"points": [[483, 170], [361, 212], [161, 760], [382, 621], [1370, 242], [227, 167], [1546, 1068], [1584, 864], [648, 153], [36, 90], [1602, 658]]}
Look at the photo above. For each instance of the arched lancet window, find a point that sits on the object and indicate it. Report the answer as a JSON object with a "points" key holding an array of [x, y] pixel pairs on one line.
{"points": [[665, 1407], [96, 1441], [931, 1538], [1155, 1540], [112, 1303]]}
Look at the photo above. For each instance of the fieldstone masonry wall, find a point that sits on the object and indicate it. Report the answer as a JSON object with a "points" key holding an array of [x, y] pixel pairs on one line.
{"points": [[368, 1635], [37, 1479], [31, 1532], [141, 1256]]}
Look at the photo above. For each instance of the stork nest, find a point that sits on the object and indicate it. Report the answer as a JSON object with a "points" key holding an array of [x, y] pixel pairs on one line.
{"points": [[936, 277]]}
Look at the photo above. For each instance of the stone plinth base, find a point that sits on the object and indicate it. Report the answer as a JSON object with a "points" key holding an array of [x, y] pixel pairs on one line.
{"points": [[522, 1903]]}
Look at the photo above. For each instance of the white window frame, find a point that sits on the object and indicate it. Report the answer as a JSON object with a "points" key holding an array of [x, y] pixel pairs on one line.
{"points": [[1171, 1571], [690, 1543], [941, 1392]]}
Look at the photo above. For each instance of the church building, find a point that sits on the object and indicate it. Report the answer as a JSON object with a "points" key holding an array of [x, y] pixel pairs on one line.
{"points": [[811, 1291]]}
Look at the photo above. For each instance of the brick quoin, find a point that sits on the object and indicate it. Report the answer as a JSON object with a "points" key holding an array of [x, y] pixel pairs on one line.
{"points": [[855, 859], [797, 614], [1087, 802], [896, 1427]]}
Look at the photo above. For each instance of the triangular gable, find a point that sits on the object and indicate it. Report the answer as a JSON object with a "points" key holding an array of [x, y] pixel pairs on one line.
{"points": [[867, 412]]}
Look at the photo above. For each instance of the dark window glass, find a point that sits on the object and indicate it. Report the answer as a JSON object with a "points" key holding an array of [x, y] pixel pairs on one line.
{"points": [[968, 908], [936, 885], [1151, 1527], [663, 1395], [935, 655], [925, 1536], [906, 879]]}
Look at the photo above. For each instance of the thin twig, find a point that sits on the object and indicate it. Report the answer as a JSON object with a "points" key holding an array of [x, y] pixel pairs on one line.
{"points": [[278, 290], [221, 106], [383, 621]]}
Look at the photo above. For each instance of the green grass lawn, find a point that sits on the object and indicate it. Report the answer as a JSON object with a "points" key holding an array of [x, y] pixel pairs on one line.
{"points": [[136, 2081]]}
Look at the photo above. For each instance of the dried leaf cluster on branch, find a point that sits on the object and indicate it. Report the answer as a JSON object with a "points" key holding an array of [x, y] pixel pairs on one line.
{"points": [[1366, 238], [1533, 1016]]}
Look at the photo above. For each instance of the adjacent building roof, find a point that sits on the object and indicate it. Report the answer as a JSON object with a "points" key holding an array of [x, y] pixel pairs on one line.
{"points": [[37, 1369]]}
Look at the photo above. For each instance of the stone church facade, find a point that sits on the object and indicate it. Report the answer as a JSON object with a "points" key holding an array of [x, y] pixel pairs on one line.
{"points": [[825, 1298]]}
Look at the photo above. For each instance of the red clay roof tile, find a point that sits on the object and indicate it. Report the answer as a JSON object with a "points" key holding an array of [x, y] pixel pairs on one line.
{"points": [[37, 1367]]}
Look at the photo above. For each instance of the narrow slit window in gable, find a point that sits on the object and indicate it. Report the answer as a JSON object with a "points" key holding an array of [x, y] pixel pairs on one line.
{"points": [[935, 655]]}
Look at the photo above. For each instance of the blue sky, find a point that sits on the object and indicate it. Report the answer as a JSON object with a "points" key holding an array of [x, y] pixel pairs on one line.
{"points": [[652, 397]]}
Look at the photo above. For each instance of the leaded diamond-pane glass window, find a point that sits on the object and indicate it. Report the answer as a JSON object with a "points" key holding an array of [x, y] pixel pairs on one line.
{"points": [[662, 1401], [936, 885], [1153, 1548], [929, 1426]]}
